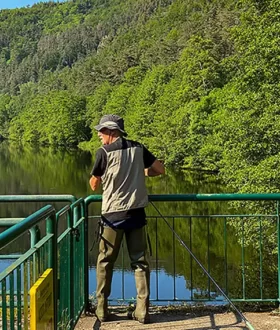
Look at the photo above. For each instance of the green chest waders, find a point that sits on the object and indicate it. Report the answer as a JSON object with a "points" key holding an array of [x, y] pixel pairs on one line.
{"points": [[109, 246]]}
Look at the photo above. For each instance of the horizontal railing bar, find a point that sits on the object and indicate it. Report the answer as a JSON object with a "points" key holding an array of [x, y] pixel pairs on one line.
{"points": [[24, 257], [203, 216], [7, 271], [64, 234], [199, 300], [77, 202], [64, 210], [10, 256], [199, 197], [214, 216], [13, 232], [37, 198], [214, 197], [255, 300], [78, 222], [42, 241], [8, 222]]}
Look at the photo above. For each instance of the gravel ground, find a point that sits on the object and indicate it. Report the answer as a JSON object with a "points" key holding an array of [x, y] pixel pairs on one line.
{"points": [[165, 319]]}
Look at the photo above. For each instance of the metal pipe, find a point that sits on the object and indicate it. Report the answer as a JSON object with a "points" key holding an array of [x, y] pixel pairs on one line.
{"points": [[37, 198], [198, 197], [278, 239], [9, 222], [13, 232]]}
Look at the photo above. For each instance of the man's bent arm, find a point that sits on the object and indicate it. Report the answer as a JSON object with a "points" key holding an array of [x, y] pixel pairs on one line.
{"points": [[155, 169], [95, 182]]}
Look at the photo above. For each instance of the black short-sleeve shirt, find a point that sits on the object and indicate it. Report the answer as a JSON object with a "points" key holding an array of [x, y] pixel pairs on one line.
{"points": [[133, 218], [101, 157]]}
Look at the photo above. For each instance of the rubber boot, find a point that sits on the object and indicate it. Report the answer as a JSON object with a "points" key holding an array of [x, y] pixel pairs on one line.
{"points": [[142, 280], [137, 247], [110, 241]]}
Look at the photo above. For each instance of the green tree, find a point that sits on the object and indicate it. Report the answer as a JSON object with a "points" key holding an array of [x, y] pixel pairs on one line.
{"points": [[57, 118]]}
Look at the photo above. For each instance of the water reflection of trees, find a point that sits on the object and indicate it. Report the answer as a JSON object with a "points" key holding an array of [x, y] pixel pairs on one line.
{"points": [[37, 170]]}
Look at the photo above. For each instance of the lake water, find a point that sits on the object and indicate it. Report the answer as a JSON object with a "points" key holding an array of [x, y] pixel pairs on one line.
{"points": [[38, 170]]}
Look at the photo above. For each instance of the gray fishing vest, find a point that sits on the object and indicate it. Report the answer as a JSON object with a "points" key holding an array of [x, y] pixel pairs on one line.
{"points": [[124, 180]]}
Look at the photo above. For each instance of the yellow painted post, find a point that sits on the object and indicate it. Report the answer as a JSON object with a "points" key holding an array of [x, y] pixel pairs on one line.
{"points": [[41, 303]]}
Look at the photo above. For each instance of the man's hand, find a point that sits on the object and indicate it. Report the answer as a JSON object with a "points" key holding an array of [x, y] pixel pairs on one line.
{"points": [[157, 168], [95, 182]]}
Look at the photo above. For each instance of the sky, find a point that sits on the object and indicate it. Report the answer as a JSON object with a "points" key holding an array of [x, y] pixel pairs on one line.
{"points": [[9, 4]]}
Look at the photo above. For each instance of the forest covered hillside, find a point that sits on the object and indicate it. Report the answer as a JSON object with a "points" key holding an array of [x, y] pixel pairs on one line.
{"points": [[196, 81]]}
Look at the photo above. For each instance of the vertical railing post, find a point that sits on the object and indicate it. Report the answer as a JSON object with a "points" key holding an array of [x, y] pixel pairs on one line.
{"points": [[51, 229], [191, 259], [157, 263], [174, 258], [34, 235], [261, 257], [208, 257], [243, 262], [226, 255], [86, 278], [71, 284], [34, 239], [278, 247], [123, 285]]}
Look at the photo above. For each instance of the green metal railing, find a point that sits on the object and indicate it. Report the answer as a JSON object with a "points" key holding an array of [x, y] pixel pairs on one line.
{"points": [[36, 198], [17, 279], [71, 265], [69, 255], [206, 292], [68, 264]]}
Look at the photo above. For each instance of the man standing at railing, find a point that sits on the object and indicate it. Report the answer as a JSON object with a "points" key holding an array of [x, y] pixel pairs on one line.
{"points": [[120, 166]]}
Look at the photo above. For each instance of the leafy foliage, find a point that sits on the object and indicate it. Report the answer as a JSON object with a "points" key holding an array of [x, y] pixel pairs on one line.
{"points": [[55, 118], [197, 82]]}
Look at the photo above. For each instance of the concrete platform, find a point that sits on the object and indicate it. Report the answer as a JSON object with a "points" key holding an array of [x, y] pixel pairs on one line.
{"points": [[183, 320]]}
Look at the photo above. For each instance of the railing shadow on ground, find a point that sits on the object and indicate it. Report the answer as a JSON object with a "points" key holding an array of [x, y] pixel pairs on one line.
{"points": [[206, 321]]}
